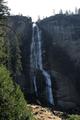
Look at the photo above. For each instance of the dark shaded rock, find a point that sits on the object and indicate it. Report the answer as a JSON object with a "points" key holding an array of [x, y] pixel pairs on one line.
{"points": [[23, 29], [41, 87], [61, 56]]}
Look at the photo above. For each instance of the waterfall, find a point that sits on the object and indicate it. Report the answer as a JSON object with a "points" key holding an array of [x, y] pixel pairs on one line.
{"points": [[33, 59], [36, 63]]}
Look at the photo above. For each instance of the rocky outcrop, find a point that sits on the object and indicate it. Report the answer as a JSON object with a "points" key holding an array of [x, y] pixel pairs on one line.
{"points": [[42, 113], [61, 57]]}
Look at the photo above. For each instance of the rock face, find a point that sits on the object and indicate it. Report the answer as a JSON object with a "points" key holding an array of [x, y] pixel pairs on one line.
{"points": [[61, 56], [23, 29], [41, 113], [60, 41]]}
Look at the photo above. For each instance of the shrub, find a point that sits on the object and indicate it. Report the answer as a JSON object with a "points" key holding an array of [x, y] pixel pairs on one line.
{"points": [[12, 103], [73, 117]]}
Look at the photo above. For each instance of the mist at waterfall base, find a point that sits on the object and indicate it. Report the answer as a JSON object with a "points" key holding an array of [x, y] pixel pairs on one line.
{"points": [[37, 65]]}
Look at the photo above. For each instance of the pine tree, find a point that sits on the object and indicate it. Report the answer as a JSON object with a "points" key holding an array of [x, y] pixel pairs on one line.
{"points": [[79, 11], [9, 50], [12, 103], [3, 51], [61, 12], [3, 9]]}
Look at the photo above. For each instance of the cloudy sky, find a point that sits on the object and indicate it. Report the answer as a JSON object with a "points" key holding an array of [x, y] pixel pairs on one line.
{"points": [[42, 8]]}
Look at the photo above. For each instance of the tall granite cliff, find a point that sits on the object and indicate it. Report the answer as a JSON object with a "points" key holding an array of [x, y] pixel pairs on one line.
{"points": [[60, 57], [61, 53], [21, 27]]}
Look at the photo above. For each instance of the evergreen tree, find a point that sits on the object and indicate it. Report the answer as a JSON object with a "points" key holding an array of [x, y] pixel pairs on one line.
{"points": [[12, 103], [66, 12], [3, 51], [9, 50], [61, 12], [3, 9], [14, 53], [76, 10], [79, 11]]}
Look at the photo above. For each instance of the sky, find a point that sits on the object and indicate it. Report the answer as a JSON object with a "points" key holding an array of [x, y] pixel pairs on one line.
{"points": [[42, 8]]}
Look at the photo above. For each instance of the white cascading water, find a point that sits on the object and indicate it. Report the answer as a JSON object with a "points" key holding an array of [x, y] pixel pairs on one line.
{"points": [[33, 60], [36, 63]]}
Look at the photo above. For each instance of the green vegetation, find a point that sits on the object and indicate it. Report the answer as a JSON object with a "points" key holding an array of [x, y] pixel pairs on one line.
{"points": [[73, 117], [10, 54], [13, 106], [3, 12], [3, 9], [12, 103]]}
